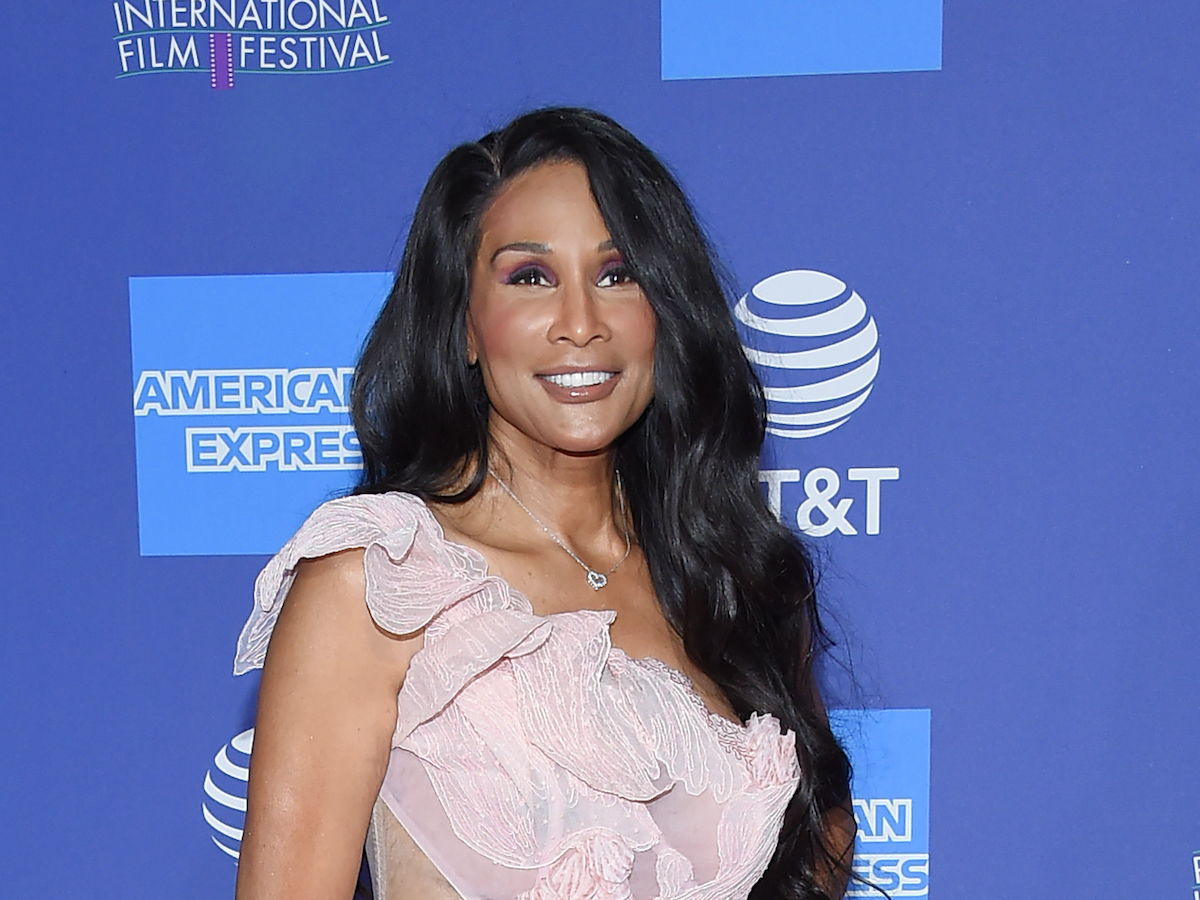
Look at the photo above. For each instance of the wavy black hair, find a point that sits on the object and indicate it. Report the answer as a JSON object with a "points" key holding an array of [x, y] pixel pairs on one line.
{"points": [[738, 587]]}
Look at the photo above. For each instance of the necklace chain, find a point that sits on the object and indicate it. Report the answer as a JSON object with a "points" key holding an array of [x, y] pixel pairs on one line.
{"points": [[595, 580]]}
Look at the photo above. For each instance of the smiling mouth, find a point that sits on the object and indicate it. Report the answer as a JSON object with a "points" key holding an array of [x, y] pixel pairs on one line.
{"points": [[579, 379]]}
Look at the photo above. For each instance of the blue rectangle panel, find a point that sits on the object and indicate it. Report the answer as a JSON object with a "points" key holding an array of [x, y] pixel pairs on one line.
{"points": [[726, 39], [889, 750], [240, 404]]}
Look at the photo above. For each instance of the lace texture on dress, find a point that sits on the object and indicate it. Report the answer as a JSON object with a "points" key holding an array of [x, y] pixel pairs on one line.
{"points": [[557, 761]]}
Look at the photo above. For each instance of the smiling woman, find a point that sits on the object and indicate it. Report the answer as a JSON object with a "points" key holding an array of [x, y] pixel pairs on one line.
{"points": [[563, 334], [555, 647]]}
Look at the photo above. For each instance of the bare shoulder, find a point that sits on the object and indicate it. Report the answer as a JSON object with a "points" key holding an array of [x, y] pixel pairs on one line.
{"points": [[346, 563], [339, 578], [331, 589], [326, 615], [326, 713]]}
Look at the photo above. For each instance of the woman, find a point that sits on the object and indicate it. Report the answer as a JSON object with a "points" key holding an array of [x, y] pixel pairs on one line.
{"points": [[555, 646]]}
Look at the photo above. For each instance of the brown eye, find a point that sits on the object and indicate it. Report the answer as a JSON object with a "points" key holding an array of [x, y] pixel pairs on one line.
{"points": [[615, 275], [530, 275]]}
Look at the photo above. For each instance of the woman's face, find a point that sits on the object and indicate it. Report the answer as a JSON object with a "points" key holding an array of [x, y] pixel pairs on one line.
{"points": [[563, 335]]}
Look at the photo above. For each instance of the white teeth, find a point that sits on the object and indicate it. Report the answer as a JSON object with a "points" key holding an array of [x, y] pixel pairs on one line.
{"points": [[579, 379]]}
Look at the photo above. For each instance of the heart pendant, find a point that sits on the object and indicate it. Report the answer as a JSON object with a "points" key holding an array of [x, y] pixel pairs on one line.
{"points": [[597, 580]]}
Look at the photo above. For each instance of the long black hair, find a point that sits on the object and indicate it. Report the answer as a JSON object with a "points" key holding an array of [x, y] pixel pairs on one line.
{"points": [[737, 586]]}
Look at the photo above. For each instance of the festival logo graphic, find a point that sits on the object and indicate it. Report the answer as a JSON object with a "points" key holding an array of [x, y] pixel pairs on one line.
{"points": [[224, 804], [229, 38], [241, 392]]}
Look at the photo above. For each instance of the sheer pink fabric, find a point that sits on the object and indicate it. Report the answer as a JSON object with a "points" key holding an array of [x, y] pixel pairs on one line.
{"points": [[531, 758]]}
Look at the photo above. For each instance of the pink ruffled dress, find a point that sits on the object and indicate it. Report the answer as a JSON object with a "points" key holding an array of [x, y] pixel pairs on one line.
{"points": [[532, 759]]}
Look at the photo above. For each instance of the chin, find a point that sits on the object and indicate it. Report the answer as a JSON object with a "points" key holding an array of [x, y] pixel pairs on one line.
{"points": [[582, 441], [584, 447]]}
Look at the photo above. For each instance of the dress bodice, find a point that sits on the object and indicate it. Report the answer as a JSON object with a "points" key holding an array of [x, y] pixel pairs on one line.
{"points": [[532, 759]]}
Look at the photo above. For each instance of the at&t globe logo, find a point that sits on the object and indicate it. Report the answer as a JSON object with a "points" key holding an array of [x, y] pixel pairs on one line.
{"points": [[815, 347], [224, 805], [816, 350]]}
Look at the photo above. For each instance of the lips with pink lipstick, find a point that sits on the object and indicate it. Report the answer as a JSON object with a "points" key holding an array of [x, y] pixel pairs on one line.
{"points": [[579, 385]]}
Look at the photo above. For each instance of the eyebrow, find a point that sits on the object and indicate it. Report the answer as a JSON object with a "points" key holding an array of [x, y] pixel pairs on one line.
{"points": [[541, 249], [522, 247]]}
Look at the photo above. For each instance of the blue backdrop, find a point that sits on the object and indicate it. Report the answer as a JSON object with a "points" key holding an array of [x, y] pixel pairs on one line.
{"points": [[990, 219]]}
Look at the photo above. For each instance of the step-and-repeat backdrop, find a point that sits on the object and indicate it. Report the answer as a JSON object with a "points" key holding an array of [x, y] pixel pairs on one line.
{"points": [[964, 242]]}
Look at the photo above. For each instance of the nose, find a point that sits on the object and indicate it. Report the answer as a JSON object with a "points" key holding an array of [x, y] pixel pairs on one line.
{"points": [[579, 318]]}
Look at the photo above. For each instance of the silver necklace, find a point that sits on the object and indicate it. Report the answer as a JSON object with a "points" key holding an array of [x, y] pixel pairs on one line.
{"points": [[595, 580]]}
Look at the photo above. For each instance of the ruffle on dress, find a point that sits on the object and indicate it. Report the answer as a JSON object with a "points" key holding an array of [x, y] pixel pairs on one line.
{"points": [[550, 751]]}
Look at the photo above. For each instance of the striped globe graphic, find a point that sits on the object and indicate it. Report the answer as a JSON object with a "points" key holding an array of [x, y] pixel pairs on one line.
{"points": [[224, 805], [815, 347]]}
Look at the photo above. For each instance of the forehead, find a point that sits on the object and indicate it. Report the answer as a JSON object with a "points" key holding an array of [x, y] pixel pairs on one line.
{"points": [[550, 203]]}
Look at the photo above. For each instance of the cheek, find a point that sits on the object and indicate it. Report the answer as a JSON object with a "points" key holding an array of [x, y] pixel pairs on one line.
{"points": [[641, 329], [501, 336]]}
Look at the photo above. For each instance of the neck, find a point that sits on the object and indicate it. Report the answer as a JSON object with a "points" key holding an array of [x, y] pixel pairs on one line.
{"points": [[572, 494]]}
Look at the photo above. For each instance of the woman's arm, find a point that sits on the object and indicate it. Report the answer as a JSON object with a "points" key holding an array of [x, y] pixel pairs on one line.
{"points": [[326, 712]]}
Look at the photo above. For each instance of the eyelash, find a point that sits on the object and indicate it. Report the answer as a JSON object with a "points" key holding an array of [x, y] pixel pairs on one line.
{"points": [[535, 275], [524, 275], [618, 271]]}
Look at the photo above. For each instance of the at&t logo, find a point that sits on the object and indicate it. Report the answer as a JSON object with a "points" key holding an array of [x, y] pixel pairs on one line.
{"points": [[224, 805], [823, 511], [816, 349]]}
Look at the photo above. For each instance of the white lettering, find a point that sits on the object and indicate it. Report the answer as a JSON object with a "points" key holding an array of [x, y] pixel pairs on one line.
{"points": [[239, 392], [340, 57], [154, 63], [308, 42], [357, 10], [131, 10], [822, 511], [339, 17], [380, 56], [820, 488], [185, 54], [899, 874], [304, 448], [246, 48], [881, 820], [124, 48], [250, 11], [774, 479], [229, 16], [285, 47], [360, 49], [873, 478]]}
